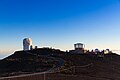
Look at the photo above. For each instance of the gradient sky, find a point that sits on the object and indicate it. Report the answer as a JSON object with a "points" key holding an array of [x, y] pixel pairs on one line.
{"points": [[59, 24]]}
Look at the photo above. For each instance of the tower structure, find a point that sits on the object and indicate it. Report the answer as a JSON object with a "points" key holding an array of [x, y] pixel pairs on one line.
{"points": [[79, 46], [27, 43]]}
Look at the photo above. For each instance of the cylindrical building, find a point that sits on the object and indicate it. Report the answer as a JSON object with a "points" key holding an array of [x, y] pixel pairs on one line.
{"points": [[27, 42]]}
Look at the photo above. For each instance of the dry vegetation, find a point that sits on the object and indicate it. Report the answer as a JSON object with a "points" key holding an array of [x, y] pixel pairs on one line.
{"points": [[81, 67]]}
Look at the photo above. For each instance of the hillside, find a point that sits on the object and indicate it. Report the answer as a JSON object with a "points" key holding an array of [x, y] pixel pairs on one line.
{"points": [[22, 62], [107, 68], [76, 66]]}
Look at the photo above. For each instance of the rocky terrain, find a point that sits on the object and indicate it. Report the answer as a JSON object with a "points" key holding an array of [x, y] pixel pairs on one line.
{"points": [[75, 67]]}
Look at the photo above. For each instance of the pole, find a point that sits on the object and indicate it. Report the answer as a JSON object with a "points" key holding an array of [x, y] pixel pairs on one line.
{"points": [[44, 75]]}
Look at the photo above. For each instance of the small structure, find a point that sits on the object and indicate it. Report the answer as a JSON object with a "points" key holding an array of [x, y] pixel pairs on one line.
{"points": [[79, 48], [97, 50], [31, 47], [107, 51], [27, 44], [36, 47]]}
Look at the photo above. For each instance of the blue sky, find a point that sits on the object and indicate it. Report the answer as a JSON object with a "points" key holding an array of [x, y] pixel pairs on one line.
{"points": [[59, 23]]}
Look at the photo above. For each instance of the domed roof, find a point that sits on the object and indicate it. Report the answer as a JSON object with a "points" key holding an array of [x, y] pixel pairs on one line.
{"points": [[27, 41]]}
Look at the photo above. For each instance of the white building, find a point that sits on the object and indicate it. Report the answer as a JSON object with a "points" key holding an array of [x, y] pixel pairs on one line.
{"points": [[79, 48], [27, 44]]}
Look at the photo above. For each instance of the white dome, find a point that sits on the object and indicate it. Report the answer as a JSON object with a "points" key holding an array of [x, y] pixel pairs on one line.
{"points": [[27, 41]]}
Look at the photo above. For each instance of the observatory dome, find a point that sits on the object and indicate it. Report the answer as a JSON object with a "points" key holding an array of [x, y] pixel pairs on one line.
{"points": [[27, 42]]}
